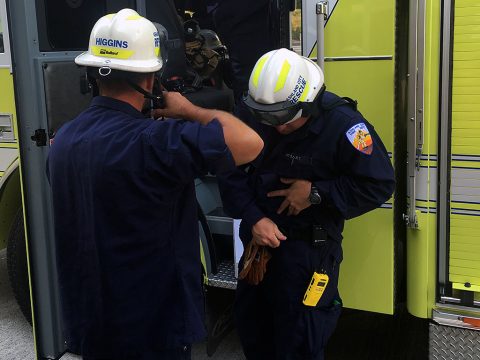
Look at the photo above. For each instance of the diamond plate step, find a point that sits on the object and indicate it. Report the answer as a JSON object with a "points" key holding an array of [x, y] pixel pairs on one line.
{"points": [[451, 343], [225, 277]]}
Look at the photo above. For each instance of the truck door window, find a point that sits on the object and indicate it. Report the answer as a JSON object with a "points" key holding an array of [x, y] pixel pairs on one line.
{"points": [[296, 27], [65, 25], [4, 39], [2, 49]]}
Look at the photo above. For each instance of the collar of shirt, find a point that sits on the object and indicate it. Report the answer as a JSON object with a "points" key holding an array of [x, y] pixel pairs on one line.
{"points": [[114, 104], [316, 124]]}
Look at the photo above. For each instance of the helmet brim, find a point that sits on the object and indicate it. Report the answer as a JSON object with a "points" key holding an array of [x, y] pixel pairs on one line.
{"points": [[280, 106], [138, 66], [284, 112], [273, 114]]}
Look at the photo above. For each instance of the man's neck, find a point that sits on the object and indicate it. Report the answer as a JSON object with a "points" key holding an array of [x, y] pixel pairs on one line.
{"points": [[135, 99]]}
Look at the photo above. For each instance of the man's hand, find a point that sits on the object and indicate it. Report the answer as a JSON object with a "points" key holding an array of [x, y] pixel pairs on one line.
{"points": [[296, 196], [177, 106], [266, 233]]}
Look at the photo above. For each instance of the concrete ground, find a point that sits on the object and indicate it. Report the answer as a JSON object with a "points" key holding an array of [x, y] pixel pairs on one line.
{"points": [[16, 340]]}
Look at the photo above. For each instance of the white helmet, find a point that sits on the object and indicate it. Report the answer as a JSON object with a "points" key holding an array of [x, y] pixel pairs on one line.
{"points": [[123, 41], [283, 86]]}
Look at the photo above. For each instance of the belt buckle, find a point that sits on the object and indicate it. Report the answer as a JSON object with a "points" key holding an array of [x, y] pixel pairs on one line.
{"points": [[319, 236]]}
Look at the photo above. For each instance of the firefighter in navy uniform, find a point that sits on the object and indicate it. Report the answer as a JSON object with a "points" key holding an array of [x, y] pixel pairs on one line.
{"points": [[238, 25], [126, 227], [322, 163]]}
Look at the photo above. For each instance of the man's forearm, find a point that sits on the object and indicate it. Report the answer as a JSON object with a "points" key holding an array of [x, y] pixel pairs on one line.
{"points": [[244, 143], [204, 116]]}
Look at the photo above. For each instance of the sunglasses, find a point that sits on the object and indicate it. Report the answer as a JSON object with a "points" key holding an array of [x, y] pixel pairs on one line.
{"points": [[280, 113]]}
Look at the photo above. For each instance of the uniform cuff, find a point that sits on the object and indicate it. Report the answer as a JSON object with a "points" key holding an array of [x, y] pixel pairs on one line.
{"points": [[252, 215], [221, 164]]}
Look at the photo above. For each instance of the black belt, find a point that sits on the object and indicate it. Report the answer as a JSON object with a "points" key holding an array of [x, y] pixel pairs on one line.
{"points": [[297, 233], [315, 235]]}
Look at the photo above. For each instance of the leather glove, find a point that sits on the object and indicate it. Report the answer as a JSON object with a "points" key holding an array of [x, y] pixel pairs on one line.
{"points": [[254, 263]]}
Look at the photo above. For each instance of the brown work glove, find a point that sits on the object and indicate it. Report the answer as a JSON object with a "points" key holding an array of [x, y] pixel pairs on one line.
{"points": [[254, 263]]}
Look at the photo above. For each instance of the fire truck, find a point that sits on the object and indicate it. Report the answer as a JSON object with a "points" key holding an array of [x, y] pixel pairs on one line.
{"points": [[414, 68]]}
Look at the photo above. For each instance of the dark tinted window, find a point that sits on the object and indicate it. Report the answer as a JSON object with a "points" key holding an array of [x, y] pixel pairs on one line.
{"points": [[69, 22], [66, 24], [2, 48]]}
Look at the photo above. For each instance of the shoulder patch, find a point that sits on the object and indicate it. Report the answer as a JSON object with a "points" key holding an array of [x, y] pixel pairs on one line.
{"points": [[360, 138]]}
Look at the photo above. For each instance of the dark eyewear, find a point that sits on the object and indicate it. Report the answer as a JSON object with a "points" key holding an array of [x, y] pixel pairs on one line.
{"points": [[280, 113]]}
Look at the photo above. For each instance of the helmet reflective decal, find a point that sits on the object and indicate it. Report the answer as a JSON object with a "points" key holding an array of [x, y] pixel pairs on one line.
{"points": [[133, 17], [305, 92], [258, 69], [282, 78], [111, 52], [156, 39], [360, 138], [298, 90]]}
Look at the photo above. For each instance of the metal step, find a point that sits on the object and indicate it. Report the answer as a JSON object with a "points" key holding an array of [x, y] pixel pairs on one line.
{"points": [[451, 343], [219, 223], [225, 277]]}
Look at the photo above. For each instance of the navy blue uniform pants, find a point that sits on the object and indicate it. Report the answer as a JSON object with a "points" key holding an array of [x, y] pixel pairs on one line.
{"points": [[182, 353], [271, 319]]}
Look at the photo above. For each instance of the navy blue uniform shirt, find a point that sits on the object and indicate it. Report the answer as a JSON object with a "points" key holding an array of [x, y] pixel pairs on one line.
{"points": [[338, 151], [126, 227]]}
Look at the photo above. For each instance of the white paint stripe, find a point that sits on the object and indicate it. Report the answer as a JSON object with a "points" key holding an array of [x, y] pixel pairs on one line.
{"points": [[425, 177], [425, 210], [464, 195], [465, 158], [465, 184], [462, 182], [465, 212], [7, 156], [463, 173], [357, 58], [431, 157]]}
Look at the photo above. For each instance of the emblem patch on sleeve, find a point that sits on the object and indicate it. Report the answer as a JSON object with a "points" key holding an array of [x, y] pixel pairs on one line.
{"points": [[360, 138]]}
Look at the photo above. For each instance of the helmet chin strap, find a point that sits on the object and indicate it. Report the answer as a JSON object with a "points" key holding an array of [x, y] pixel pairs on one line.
{"points": [[157, 100], [156, 96]]}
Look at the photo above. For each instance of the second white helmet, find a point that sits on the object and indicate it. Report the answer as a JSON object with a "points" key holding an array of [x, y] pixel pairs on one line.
{"points": [[284, 87], [283, 75], [123, 41]]}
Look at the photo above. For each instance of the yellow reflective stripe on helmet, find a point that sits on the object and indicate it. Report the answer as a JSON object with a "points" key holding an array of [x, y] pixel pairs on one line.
{"points": [[110, 16], [305, 92], [111, 52], [258, 69], [157, 51], [282, 78], [133, 17]]}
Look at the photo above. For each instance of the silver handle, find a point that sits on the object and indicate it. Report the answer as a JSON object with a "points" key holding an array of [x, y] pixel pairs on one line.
{"points": [[322, 15]]}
